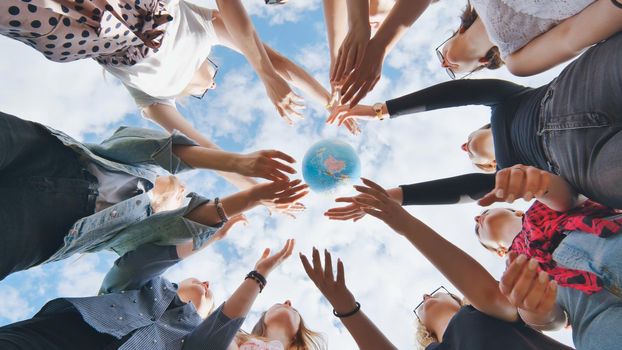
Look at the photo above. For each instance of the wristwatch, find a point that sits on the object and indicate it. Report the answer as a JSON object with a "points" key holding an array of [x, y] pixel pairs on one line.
{"points": [[377, 107]]}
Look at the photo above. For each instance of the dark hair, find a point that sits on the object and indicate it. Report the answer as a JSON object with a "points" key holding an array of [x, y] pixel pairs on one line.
{"points": [[493, 56]]}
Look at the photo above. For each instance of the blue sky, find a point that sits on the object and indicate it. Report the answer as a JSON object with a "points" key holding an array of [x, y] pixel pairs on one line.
{"points": [[387, 275]]}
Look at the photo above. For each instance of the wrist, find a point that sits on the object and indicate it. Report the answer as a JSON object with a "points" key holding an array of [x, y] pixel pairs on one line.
{"points": [[352, 311], [377, 46]]}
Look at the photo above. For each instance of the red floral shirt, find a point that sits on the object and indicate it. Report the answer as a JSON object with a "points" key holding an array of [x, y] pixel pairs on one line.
{"points": [[544, 228]]}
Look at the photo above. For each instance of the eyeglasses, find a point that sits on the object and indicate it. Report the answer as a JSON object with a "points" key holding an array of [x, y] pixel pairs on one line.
{"points": [[275, 2], [215, 67], [441, 58], [437, 291]]}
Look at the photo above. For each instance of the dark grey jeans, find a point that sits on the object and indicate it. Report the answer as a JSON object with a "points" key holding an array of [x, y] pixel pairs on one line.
{"points": [[581, 123], [43, 191]]}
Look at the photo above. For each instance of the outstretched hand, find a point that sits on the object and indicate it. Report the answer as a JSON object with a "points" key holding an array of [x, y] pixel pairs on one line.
{"points": [[353, 211], [224, 230], [364, 76], [518, 181], [267, 164], [279, 193], [333, 288], [286, 101], [529, 290], [267, 262], [345, 114], [350, 53]]}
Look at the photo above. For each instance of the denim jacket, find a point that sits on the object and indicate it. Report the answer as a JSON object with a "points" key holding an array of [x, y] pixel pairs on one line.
{"points": [[130, 223]]}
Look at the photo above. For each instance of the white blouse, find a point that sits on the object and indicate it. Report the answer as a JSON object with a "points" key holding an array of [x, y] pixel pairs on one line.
{"points": [[165, 73], [512, 24]]}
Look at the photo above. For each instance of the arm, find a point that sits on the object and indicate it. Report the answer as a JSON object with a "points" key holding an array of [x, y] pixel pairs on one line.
{"points": [[464, 272], [170, 119], [365, 333], [568, 39], [335, 12], [219, 330]]}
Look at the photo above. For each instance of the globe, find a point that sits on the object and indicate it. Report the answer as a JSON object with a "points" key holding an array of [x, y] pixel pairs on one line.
{"points": [[329, 164]]}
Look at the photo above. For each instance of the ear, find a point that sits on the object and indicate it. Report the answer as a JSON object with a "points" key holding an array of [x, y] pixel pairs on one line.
{"points": [[483, 61], [501, 252], [519, 213]]}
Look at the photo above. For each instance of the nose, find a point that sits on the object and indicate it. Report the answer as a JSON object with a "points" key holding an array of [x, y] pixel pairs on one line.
{"points": [[288, 303], [477, 218], [464, 147], [426, 297], [206, 284]]}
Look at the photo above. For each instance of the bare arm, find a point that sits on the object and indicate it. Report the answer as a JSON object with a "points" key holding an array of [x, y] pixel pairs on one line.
{"points": [[170, 119], [335, 14], [568, 39], [401, 17]]}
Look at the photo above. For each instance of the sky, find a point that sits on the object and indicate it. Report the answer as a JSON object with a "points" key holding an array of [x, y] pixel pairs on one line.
{"points": [[385, 273]]}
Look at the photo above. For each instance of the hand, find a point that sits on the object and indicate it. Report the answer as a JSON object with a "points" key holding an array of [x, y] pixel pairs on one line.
{"points": [[287, 103], [334, 290], [353, 211], [288, 209], [344, 114], [224, 230], [267, 263], [264, 164], [519, 181], [529, 290], [351, 52], [379, 204], [279, 192], [364, 76]]}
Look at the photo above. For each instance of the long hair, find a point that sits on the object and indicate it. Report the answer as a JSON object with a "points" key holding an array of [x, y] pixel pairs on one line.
{"points": [[493, 56], [304, 339]]}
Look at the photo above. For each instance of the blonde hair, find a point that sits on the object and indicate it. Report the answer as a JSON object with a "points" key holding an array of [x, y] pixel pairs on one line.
{"points": [[304, 339], [425, 337]]}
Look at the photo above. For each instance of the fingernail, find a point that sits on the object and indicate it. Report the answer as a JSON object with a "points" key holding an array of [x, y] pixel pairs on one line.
{"points": [[499, 194], [520, 260], [529, 195], [543, 277], [533, 263], [510, 198]]}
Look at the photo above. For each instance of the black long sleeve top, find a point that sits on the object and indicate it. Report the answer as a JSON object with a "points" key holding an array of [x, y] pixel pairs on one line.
{"points": [[515, 111]]}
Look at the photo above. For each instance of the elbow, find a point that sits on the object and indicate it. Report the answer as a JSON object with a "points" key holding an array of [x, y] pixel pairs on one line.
{"points": [[516, 67]]}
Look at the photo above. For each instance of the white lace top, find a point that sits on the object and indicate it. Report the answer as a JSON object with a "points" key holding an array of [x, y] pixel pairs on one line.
{"points": [[511, 24]]}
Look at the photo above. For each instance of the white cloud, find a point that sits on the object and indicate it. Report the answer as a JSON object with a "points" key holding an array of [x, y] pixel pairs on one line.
{"points": [[13, 306]]}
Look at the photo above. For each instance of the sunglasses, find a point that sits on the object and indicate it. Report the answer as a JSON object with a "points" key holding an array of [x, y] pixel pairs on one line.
{"points": [[441, 58], [436, 292], [275, 2], [215, 67]]}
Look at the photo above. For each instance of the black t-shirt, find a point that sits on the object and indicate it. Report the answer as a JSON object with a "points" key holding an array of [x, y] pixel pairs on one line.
{"points": [[515, 111], [471, 329]]}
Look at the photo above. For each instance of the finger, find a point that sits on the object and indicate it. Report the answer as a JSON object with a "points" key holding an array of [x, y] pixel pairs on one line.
{"points": [[328, 267], [347, 84], [274, 177], [532, 182], [372, 184], [488, 199], [307, 266], [375, 213], [545, 180], [511, 274], [351, 210], [335, 114], [276, 165], [292, 112], [501, 183], [515, 184], [345, 117], [341, 275], [350, 61], [317, 264], [344, 199], [266, 253], [338, 65], [351, 91], [372, 192], [278, 154], [280, 110], [362, 92], [550, 297], [536, 293], [292, 198], [371, 202], [292, 191], [354, 217], [290, 248], [285, 117], [524, 282], [511, 256]]}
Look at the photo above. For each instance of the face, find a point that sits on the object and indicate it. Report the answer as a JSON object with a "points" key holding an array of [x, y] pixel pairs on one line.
{"points": [[167, 193], [462, 53], [198, 293], [283, 316], [480, 147], [433, 307], [497, 228]]}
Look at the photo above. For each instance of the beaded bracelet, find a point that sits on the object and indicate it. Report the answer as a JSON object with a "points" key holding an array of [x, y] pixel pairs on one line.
{"points": [[257, 277], [348, 314], [220, 211]]}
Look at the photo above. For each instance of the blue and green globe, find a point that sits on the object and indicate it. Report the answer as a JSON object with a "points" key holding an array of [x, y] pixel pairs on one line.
{"points": [[330, 164]]}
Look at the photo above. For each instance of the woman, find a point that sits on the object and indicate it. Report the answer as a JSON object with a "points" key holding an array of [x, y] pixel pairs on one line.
{"points": [[445, 322], [61, 197], [137, 308], [569, 127], [159, 51], [281, 327]]}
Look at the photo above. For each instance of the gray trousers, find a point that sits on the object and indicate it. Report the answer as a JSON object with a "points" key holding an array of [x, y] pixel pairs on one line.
{"points": [[43, 190]]}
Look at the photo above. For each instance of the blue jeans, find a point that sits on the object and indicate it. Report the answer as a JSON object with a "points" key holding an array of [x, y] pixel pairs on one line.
{"points": [[581, 123], [596, 319], [43, 191]]}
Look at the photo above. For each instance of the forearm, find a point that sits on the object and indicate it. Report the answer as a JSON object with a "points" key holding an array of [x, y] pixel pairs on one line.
{"points": [[335, 12], [232, 205], [206, 158], [365, 333], [464, 272], [548, 322], [170, 119], [403, 14], [294, 74], [396, 194], [567, 40], [457, 189], [560, 195], [240, 302], [358, 12], [244, 36]]}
